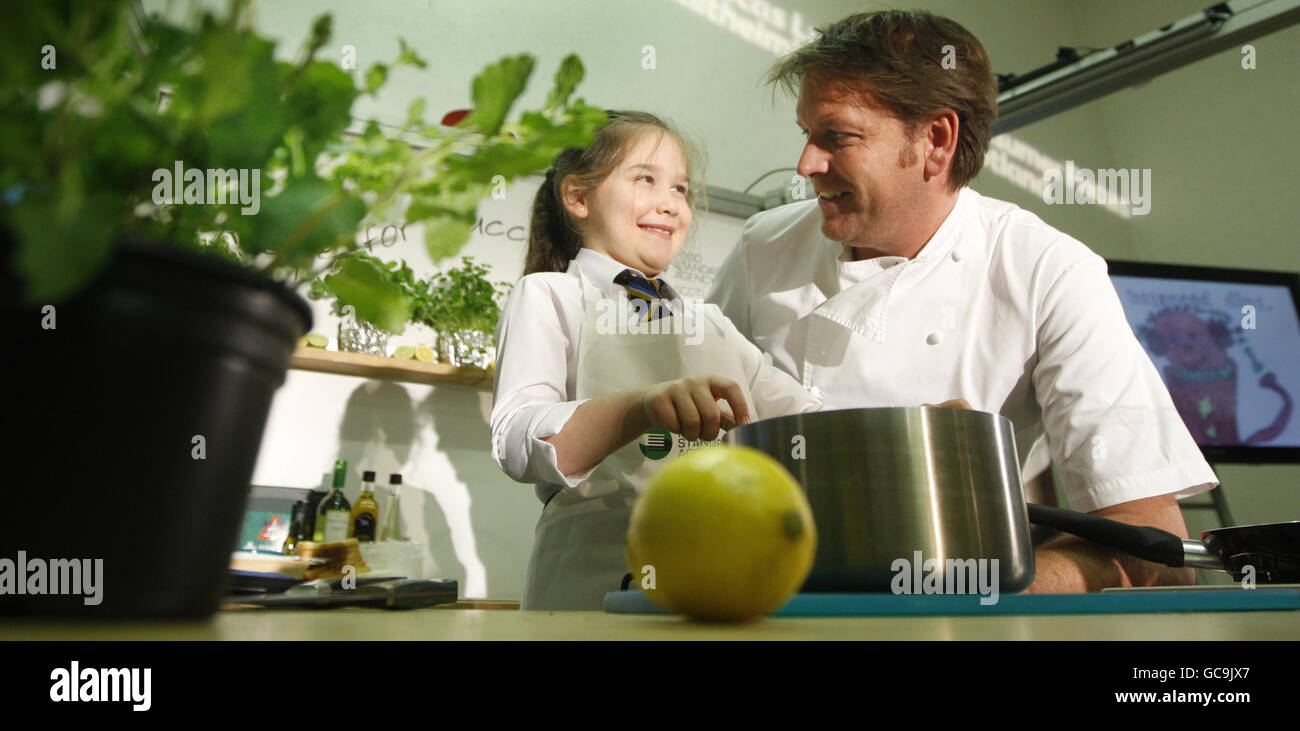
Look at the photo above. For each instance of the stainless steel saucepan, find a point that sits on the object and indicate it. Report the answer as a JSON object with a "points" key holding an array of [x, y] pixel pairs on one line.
{"points": [[891, 483], [887, 483]]}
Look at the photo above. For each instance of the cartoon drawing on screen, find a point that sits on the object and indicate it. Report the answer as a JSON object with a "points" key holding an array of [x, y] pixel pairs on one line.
{"points": [[1202, 377]]}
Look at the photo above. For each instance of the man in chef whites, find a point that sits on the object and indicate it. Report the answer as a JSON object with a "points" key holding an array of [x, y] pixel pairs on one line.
{"points": [[898, 286]]}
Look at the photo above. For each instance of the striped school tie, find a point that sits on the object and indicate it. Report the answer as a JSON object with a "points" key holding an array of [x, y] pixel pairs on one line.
{"points": [[654, 293]]}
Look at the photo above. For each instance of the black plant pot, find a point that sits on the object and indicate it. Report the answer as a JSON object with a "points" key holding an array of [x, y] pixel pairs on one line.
{"points": [[138, 424]]}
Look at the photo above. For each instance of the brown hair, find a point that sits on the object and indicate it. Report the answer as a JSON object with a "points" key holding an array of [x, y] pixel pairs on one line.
{"points": [[554, 238], [896, 56]]}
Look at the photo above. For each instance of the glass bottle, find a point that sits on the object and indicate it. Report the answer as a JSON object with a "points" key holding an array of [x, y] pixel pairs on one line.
{"points": [[335, 511], [298, 529], [391, 530], [365, 514]]}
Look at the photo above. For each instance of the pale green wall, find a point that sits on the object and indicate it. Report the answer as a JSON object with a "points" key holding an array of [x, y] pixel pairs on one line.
{"points": [[1217, 140]]}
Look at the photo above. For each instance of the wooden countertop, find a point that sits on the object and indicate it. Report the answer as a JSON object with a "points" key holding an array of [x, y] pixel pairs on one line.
{"points": [[498, 624]]}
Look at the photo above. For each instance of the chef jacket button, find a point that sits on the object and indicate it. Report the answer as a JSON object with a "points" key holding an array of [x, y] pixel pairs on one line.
{"points": [[956, 256], [934, 338]]}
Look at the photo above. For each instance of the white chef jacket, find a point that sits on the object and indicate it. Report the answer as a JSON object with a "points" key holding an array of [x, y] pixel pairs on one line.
{"points": [[998, 308], [537, 362]]}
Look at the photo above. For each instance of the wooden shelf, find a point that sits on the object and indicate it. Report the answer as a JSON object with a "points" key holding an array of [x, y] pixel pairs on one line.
{"points": [[375, 366]]}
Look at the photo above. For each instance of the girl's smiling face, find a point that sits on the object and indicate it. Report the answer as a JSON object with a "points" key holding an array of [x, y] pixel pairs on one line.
{"points": [[640, 213]]}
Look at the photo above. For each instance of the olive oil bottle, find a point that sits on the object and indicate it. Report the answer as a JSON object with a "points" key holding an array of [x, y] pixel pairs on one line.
{"points": [[335, 518], [365, 514]]}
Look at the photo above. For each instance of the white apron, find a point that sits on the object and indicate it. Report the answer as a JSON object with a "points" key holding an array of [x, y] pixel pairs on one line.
{"points": [[580, 545]]}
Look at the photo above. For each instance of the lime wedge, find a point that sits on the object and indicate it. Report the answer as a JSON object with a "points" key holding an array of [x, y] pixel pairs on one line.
{"points": [[404, 352], [316, 340], [424, 353]]}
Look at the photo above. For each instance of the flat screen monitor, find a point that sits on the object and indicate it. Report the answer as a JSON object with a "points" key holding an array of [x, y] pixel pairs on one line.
{"points": [[1227, 343]]}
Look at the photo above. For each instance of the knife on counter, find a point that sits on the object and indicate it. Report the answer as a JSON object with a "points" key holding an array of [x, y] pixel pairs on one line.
{"points": [[377, 592]]}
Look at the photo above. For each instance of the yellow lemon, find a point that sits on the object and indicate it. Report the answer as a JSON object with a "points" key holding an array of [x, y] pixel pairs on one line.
{"points": [[424, 353], [721, 533]]}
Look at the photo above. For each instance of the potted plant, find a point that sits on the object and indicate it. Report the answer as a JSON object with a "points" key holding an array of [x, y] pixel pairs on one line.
{"points": [[152, 243], [356, 334], [463, 308]]}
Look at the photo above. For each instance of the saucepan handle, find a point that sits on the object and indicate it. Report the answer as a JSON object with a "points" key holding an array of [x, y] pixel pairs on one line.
{"points": [[1142, 541]]}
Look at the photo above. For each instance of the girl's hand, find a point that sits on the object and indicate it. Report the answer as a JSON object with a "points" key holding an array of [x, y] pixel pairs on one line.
{"points": [[689, 406]]}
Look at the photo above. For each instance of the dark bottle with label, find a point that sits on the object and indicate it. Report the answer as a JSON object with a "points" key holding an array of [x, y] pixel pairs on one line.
{"points": [[300, 529], [314, 499], [334, 521], [365, 514]]}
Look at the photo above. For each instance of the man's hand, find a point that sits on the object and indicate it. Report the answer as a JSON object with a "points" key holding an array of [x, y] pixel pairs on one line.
{"points": [[1071, 565]]}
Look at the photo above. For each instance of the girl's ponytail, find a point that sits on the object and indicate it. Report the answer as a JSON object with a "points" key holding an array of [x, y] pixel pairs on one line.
{"points": [[552, 242]]}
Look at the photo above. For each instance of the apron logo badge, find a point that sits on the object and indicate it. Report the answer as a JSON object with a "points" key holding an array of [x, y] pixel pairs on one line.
{"points": [[656, 443]]}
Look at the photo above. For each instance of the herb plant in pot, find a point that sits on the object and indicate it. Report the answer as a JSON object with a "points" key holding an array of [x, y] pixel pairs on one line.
{"points": [[356, 334], [461, 306], [464, 309], [150, 257]]}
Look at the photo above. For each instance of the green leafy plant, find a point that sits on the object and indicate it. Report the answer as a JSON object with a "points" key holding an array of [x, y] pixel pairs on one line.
{"points": [[336, 285], [461, 298], [85, 141], [464, 299]]}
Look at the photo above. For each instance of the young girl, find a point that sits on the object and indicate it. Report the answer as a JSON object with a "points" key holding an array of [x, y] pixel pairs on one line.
{"points": [[584, 402]]}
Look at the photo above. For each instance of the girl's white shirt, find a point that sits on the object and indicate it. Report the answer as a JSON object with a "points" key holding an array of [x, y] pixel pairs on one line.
{"points": [[537, 360]]}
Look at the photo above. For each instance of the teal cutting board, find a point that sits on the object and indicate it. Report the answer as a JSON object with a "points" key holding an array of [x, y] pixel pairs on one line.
{"points": [[870, 605]]}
